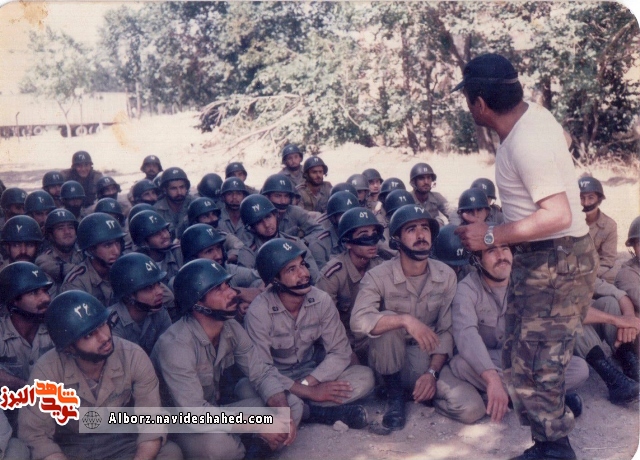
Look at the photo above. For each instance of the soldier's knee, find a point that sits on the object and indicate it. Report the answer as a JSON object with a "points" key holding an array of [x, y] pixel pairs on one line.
{"points": [[361, 379]]}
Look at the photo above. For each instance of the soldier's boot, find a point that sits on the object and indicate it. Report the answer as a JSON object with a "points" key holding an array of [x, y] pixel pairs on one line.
{"points": [[352, 415], [559, 449], [621, 388], [629, 361], [395, 417], [574, 401], [256, 447]]}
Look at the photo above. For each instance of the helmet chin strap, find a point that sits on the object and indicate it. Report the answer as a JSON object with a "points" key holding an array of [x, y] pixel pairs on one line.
{"points": [[216, 315], [27, 315], [282, 288], [100, 261], [281, 206], [590, 208], [413, 254], [145, 307], [370, 240]]}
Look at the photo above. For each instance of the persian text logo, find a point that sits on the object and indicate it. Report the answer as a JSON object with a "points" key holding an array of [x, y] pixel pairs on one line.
{"points": [[52, 398]]}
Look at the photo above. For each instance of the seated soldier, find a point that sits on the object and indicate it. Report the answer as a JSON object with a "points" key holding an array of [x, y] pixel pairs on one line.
{"points": [[104, 371], [289, 321], [374, 180], [113, 208], [195, 351], [404, 307], [602, 228], [52, 183], [101, 239], [12, 203], [360, 233], [236, 169], [422, 179], [137, 287], [144, 191], [82, 172], [314, 191], [489, 189], [473, 206], [233, 191], [259, 214], [21, 239], [151, 236], [38, 205], [478, 314], [393, 201], [338, 204], [209, 187], [200, 241], [449, 249], [107, 187], [151, 167], [175, 186], [292, 160], [359, 182], [63, 254], [628, 278], [72, 197]]}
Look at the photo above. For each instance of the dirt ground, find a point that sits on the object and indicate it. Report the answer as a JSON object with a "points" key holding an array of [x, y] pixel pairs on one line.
{"points": [[604, 431]]}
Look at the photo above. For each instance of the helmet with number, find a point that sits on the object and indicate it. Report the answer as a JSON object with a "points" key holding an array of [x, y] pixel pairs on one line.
{"points": [[210, 185], [448, 248], [110, 206], [197, 238], [634, 231], [104, 182], [81, 157], [72, 190], [21, 229], [278, 183], [473, 198], [589, 184], [98, 228], [274, 255], [195, 279], [341, 202], [52, 178], [389, 185], [233, 168], [421, 169], [233, 184], [359, 181], [355, 218], [12, 195], [144, 224], [151, 159], [73, 315], [343, 187], [290, 149], [133, 272], [174, 174], [395, 199], [372, 174], [19, 278], [59, 216], [138, 208], [486, 185], [410, 213], [140, 187], [39, 201], [254, 208], [314, 161], [201, 206]]}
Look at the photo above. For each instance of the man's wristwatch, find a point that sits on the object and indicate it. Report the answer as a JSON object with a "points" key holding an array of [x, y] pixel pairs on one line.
{"points": [[304, 382], [433, 372], [488, 237]]}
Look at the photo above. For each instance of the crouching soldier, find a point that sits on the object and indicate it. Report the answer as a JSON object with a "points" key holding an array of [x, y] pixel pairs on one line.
{"points": [[296, 327], [194, 352], [104, 371]]}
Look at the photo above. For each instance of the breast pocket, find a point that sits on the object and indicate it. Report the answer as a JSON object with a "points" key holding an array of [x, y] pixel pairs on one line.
{"points": [[283, 346], [400, 303]]}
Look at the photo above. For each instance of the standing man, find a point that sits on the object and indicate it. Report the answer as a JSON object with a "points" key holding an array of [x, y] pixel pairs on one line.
{"points": [[314, 191], [555, 265]]}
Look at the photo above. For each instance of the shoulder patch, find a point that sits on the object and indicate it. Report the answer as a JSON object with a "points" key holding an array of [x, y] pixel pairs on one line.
{"points": [[323, 235], [75, 272], [333, 269]]}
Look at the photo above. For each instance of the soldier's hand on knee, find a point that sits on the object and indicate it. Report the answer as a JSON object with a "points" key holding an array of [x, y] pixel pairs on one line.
{"points": [[426, 338], [498, 400], [335, 392], [425, 388], [275, 440]]}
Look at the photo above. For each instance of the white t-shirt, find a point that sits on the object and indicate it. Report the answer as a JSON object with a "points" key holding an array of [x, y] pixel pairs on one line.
{"points": [[533, 163]]}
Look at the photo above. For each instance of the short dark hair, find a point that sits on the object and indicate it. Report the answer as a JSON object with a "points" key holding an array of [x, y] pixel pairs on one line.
{"points": [[499, 97]]}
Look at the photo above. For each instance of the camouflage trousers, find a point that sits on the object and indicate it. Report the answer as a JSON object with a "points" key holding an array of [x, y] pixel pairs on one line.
{"points": [[550, 294]]}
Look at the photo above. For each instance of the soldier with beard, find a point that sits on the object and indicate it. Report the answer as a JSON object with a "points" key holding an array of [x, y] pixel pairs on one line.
{"points": [[292, 161], [52, 183], [104, 371], [137, 285], [72, 197], [260, 216], [144, 191], [23, 336], [21, 238], [422, 178], [233, 191], [63, 255], [151, 167], [173, 206], [82, 172], [101, 239], [314, 191], [196, 350]]}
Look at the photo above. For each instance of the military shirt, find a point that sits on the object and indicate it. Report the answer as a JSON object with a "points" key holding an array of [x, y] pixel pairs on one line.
{"points": [[299, 222], [435, 204], [53, 265], [386, 287], [89, 184], [243, 277], [604, 232], [146, 334], [312, 201], [85, 278], [628, 279], [288, 343], [294, 176], [171, 262], [478, 315], [174, 219], [225, 224], [128, 379], [191, 366], [17, 355]]}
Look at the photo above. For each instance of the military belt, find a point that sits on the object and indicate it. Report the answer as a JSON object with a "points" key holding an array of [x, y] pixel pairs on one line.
{"points": [[566, 242]]}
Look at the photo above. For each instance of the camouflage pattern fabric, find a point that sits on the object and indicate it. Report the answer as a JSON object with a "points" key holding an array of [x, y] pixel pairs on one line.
{"points": [[550, 294]]}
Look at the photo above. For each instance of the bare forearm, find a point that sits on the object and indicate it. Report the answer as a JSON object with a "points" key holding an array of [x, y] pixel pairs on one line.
{"points": [[437, 362], [389, 323]]}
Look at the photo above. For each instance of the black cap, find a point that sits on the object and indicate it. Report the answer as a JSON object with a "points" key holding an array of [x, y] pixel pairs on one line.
{"points": [[489, 69]]}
